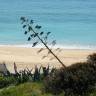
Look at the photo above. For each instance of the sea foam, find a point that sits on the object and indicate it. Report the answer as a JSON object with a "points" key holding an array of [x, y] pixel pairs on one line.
{"points": [[82, 47]]}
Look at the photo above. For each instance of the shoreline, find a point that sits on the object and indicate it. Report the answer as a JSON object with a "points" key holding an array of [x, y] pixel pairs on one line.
{"points": [[28, 57], [70, 47]]}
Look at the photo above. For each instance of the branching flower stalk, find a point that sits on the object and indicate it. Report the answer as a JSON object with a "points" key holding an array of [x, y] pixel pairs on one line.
{"points": [[35, 34]]}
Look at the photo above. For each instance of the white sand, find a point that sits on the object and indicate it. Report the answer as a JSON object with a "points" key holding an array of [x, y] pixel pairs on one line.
{"points": [[28, 57]]}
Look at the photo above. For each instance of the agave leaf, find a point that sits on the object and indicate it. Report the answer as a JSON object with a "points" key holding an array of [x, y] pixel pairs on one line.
{"points": [[41, 33], [40, 50], [31, 21], [25, 32], [38, 26], [34, 44], [52, 58], [29, 38], [48, 33], [32, 35], [29, 70], [57, 49], [35, 34], [44, 57], [22, 19], [29, 28], [45, 38], [24, 26], [48, 52], [53, 42]]}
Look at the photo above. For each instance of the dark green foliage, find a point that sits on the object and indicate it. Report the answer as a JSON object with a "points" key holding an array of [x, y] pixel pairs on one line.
{"points": [[45, 71], [6, 81], [27, 75], [21, 77], [37, 74], [52, 83], [92, 58], [78, 79], [26, 89], [40, 76]]}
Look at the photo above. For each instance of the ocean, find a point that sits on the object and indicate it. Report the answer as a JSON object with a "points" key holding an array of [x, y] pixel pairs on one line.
{"points": [[72, 22]]}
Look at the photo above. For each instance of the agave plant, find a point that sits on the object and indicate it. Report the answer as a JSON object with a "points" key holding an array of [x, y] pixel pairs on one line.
{"points": [[37, 37]]}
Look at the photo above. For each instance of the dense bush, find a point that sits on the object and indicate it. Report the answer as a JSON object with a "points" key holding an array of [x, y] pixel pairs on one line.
{"points": [[92, 58], [77, 79], [6, 81]]}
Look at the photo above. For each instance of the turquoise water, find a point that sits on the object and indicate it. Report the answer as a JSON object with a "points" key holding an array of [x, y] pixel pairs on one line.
{"points": [[72, 22]]}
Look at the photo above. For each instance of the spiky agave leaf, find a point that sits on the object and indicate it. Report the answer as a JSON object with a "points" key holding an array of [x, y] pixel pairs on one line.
{"points": [[40, 50], [52, 58], [48, 33], [22, 19], [45, 38], [24, 26], [57, 49], [44, 57], [48, 53], [38, 26], [35, 34], [32, 35], [41, 33], [35, 43], [29, 38], [29, 28], [31, 21], [54, 42], [29, 70], [25, 32]]}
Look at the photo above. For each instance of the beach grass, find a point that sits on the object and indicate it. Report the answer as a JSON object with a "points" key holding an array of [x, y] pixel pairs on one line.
{"points": [[26, 89]]}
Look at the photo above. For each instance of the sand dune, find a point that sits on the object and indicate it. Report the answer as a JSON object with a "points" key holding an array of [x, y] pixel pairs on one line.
{"points": [[28, 57]]}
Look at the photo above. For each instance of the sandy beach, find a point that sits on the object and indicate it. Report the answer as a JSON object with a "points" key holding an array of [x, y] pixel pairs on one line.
{"points": [[28, 57]]}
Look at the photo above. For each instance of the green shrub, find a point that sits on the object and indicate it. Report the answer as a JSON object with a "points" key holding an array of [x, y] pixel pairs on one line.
{"points": [[6, 81], [92, 58], [77, 79]]}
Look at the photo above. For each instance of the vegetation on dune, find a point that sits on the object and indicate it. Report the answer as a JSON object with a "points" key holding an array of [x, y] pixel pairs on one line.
{"points": [[25, 75], [6, 81], [26, 89], [78, 79], [92, 58], [30, 89]]}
